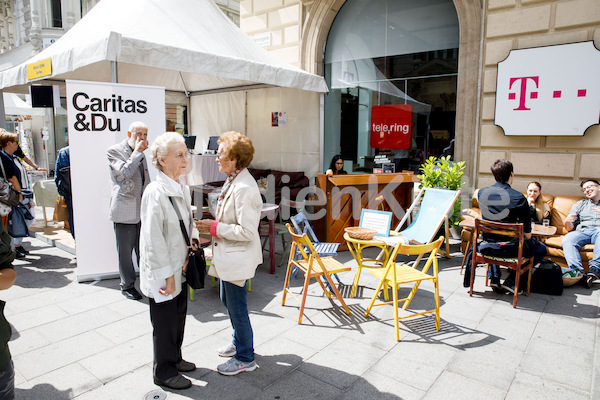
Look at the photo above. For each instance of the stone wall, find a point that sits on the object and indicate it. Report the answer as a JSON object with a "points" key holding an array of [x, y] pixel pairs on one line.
{"points": [[558, 163], [279, 18]]}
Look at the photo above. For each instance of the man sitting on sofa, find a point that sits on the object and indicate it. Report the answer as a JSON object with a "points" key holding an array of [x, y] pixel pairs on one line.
{"points": [[501, 203], [583, 223]]}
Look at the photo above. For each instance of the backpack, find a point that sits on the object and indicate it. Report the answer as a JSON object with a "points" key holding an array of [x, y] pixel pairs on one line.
{"points": [[546, 278]]}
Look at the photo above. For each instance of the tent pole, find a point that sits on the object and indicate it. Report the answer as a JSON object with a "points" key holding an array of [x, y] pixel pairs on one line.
{"points": [[114, 77], [2, 113]]}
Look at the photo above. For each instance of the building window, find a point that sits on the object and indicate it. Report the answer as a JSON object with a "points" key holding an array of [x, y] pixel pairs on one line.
{"points": [[391, 52], [55, 14]]}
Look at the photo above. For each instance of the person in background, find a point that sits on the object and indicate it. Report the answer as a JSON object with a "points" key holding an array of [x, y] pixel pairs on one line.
{"points": [[236, 246], [9, 144], [583, 224], [129, 176], [164, 257], [501, 203], [336, 167], [538, 209], [62, 179], [22, 156], [7, 279]]}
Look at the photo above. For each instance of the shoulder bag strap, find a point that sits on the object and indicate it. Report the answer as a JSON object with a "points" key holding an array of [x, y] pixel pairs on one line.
{"points": [[3, 172], [181, 224]]}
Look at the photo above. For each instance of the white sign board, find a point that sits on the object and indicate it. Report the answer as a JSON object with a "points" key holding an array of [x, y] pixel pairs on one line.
{"points": [[549, 91], [99, 115]]}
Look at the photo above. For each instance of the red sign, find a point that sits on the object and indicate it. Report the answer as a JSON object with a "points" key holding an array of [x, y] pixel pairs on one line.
{"points": [[391, 126]]}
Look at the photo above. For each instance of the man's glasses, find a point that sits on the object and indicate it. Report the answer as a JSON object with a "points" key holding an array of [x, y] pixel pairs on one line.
{"points": [[586, 188]]}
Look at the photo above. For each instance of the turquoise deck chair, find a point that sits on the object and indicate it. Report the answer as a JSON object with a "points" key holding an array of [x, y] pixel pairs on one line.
{"points": [[436, 205]]}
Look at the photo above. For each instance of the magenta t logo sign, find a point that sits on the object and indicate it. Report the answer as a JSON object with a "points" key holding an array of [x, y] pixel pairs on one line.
{"points": [[549, 91], [522, 96]]}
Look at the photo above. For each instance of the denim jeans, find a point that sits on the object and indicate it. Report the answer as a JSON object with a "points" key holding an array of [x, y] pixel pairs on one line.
{"points": [[575, 240], [234, 298]]}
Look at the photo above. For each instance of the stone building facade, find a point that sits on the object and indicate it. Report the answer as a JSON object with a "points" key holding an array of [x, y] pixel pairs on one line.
{"points": [[298, 31]]}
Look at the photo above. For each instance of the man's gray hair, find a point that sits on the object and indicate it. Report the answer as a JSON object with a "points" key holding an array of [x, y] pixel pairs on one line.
{"points": [[135, 125], [160, 147]]}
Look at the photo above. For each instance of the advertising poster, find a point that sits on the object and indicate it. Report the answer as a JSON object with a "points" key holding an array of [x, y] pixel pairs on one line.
{"points": [[99, 115]]}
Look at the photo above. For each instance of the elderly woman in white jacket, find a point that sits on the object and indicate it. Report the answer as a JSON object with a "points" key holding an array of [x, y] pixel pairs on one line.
{"points": [[164, 258], [236, 246]]}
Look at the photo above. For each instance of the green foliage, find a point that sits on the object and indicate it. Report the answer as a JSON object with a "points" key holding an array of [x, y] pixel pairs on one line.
{"points": [[443, 173]]}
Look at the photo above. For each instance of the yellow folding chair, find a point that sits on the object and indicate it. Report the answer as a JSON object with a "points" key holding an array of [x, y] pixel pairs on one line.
{"points": [[313, 266], [395, 274]]}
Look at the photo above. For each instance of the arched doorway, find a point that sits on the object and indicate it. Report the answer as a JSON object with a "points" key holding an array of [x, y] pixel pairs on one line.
{"points": [[392, 69], [318, 19]]}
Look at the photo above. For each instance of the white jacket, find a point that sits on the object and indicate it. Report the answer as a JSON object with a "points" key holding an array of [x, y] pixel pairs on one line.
{"points": [[236, 249], [162, 246]]}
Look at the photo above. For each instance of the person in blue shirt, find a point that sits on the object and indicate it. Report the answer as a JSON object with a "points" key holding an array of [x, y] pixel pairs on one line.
{"points": [[583, 224], [62, 178]]}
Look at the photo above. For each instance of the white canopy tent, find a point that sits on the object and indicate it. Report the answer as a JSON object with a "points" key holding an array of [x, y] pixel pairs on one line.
{"points": [[186, 46], [13, 105]]}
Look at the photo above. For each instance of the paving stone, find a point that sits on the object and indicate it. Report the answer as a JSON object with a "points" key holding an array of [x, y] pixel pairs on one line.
{"points": [[375, 386], [492, 364], [115, 361], [452, 386], [67, 382], [58, 355], [347, 360], [298, 385], [576, 332], [542, 359], [514, 333], [531, 387]]}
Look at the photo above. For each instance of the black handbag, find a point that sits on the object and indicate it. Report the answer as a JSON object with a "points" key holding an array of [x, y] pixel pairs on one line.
{"points": [[196, 268], [546, 278], [8, 195]]}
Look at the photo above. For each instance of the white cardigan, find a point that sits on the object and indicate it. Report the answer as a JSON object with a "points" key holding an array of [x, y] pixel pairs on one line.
{"points": [[236, 249], [162, 247]]}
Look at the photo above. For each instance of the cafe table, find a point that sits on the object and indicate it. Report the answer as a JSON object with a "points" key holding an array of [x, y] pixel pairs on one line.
{"points": [[356, 247], [536, 230]]}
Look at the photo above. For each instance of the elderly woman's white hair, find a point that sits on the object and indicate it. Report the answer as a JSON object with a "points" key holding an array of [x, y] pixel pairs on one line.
{"points": [[160, 147]]}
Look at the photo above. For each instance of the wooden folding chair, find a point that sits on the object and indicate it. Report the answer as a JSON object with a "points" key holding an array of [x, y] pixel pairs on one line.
{"points": [[313, 266], [514, 263], [395, 274]]}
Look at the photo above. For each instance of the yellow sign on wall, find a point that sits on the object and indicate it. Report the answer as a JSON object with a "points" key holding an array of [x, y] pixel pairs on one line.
{"points": [[39, 69]]}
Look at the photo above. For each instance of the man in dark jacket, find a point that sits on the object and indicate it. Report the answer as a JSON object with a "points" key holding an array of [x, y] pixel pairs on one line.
{"points": [[62, 177], [502, 203]]}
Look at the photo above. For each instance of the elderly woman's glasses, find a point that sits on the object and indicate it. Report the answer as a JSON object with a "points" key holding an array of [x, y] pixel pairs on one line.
{"points": [[183, 156]]}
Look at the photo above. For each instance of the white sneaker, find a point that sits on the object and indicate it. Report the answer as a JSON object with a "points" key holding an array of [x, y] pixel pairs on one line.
{"points": [[227, 351], [234, 366]]}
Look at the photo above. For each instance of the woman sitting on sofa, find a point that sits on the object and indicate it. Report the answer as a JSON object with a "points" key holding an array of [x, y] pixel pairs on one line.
{"points": [[537, 207]]}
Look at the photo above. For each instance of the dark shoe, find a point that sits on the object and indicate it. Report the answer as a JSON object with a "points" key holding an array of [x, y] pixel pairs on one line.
{"points": [[494, 282], [132, 294], [185, 366], [22, 250], [177, 382], [509, 286], [589, 279], [19, 255]]}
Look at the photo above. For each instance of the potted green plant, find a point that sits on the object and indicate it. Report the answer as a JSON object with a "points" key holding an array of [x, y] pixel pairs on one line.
{"points": [[443, 173]]}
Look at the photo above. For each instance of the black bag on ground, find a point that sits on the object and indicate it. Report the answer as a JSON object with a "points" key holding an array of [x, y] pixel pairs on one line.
{"points": [[546, 278], [196, 268]]}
